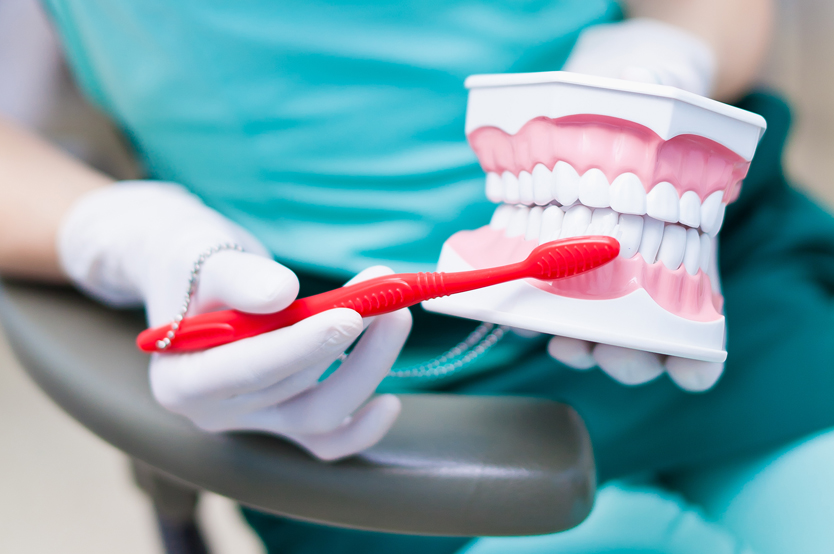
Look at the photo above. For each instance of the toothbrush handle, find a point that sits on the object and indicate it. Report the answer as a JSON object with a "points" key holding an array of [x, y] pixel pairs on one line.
{"points": [[381, 295], [376, 296]]}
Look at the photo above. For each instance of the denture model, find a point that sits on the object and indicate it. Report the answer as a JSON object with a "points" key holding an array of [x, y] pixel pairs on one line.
{"points": [[569, 155]]}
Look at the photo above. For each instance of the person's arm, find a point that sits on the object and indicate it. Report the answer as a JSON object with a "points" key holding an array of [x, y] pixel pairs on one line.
{"points": [[138, 243], [738, 32], [38, 184]]}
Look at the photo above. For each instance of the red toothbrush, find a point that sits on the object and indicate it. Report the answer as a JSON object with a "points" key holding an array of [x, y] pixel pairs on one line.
{"points": [[552, 260]]}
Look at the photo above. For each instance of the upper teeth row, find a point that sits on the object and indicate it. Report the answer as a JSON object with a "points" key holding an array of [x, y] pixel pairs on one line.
{"points": [[655, 240], [625, 195]]}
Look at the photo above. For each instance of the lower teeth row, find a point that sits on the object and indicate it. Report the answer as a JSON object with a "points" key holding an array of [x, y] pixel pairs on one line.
{"points": [[656, 241]]}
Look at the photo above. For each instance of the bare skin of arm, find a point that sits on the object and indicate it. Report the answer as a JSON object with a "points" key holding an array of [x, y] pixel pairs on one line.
{"points": [[38, 184], [738, 31]]}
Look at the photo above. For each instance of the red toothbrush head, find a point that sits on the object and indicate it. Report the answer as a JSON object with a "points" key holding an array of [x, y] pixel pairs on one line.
{"points": [[567, 257]]}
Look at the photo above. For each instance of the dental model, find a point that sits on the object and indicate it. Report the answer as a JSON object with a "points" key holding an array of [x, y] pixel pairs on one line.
{"points": [[569, 155]]}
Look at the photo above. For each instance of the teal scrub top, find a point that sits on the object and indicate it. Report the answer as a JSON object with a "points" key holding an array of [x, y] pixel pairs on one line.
{"points": [[334, 131]]}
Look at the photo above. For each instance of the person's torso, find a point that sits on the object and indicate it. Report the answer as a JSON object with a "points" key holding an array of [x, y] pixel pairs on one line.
{"points": [[332, 130]]}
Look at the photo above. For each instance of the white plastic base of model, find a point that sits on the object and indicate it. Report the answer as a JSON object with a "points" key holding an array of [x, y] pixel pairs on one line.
{"points": [[509, 100], [632, 321]]}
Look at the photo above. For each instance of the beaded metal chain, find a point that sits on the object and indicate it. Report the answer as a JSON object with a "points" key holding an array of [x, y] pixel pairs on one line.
{"points": [[484, 337], [193, 280]]}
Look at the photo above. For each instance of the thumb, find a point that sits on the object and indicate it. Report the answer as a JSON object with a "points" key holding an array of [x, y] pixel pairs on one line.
{"points": [[692, 375], [245, 282], [363, 430]]}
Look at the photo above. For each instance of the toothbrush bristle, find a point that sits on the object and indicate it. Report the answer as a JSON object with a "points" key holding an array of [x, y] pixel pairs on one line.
{"points": [[568, 257]]}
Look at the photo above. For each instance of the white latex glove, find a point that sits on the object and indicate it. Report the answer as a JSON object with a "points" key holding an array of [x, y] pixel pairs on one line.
{"points": [[645, 50], [135, 243], [648, 51], [634, 367]]}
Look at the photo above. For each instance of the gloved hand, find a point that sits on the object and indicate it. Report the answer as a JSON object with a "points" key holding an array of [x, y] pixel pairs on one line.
{"points": [[136, 243], [645, 50], [648, 51]]}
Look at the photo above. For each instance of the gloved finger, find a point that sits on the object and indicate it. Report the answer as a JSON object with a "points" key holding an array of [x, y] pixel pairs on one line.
{"points": [[693, 375], [366, 366], [628, 366], [227, 412], [283, 390], [359, 432], [255, 363], [296, 383], [574, 353], [245, 282], [366, 274], [325, 407]]}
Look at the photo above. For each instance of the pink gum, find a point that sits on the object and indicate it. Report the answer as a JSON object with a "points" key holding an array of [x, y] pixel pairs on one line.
{"points": [[678, 292], [614, 146]]}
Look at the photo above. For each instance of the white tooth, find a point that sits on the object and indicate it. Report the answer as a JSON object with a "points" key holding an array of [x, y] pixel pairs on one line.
{"points": [[663, 203], [565, 183], [629, 232], [692, 255], [518, 221], [534, 223], [525, 188], [719, 220], [576, 222], [690, 211], [551, 224], [541, 185], [510, 187], [501, 216], [494, 187], [712, 213], [706, 252], [628, 195], [603, 221], [593, 189], [650, 242], [672, 247]]}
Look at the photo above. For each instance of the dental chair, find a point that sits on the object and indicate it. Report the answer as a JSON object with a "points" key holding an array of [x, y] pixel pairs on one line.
{"points": [[452, 465]]}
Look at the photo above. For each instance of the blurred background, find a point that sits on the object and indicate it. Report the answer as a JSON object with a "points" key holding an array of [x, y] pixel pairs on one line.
{"points": [[801, 68], [64, 490]]}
